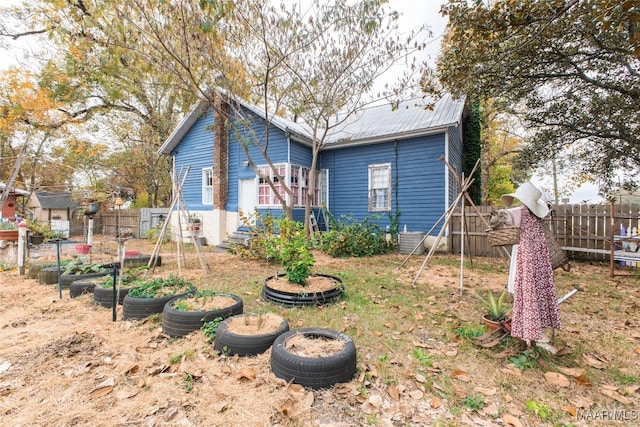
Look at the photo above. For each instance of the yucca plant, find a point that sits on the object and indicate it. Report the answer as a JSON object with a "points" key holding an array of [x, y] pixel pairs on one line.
{"points": [[496, 308]]}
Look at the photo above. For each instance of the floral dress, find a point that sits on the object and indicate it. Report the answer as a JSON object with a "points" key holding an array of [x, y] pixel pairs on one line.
{"points": [[535, 303]]}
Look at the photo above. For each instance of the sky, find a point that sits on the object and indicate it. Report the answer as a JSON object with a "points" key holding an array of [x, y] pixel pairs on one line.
{"points": [[413, 14]]}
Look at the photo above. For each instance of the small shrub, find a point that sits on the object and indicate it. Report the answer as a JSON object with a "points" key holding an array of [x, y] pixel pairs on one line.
{"points": [[350, 238]]}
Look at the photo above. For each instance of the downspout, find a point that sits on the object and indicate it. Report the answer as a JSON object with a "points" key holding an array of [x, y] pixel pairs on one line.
{"points": [[396, 201], [447, 198]]}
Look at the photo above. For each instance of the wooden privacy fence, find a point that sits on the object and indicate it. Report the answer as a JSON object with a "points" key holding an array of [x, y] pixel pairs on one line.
{"points": [[585, 230], [134, 221]]}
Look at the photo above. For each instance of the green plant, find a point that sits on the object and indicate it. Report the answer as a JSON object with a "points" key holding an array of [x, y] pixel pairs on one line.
{"points": [[424, 359], [540, 409], [159, 287], [292, 249], [78, 266], [526, 360], [196, 302], [474, 402], [8, 225], [351, 238], [209, 328], [496, 308], [153, 234]]}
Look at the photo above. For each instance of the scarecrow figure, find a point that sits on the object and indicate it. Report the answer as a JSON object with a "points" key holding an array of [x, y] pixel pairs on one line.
{"points": [[531, 279]]}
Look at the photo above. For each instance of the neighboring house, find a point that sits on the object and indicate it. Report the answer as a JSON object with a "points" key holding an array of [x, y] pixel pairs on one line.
{"points": [[380, 161], [55, 208]]}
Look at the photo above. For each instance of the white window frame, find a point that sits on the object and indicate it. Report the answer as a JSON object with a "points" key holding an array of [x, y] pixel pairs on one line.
{"points": [[207, 186], [298, 182], [379, 190]]}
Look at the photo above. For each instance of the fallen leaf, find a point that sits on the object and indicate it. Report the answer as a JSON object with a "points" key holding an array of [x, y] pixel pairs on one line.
{"points": [[389, 325], [582, 380], [377, 333], [572, 372], [556, 378], [286, 407], [435, 402], [615, 396], [126, 394], [486, 391], [571, 410], [491, 410], [103, 388], [226, 369], [393, 392], [581, 402], [5, 366], [593, 362], [421, 378], [131, 370], [460, 374], [246, 373], [511, 420], [416, 394], [514, 372]]}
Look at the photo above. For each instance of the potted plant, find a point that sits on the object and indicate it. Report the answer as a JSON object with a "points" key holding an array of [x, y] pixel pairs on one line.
{"points": [[496, 310], [40, 231], [8, 230], [296, 286], [150, 295], [194, 222]]}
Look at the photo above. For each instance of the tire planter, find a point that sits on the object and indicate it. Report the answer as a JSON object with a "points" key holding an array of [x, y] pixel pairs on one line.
{"points": [[67, 279], [48, 275], [301, 299], [142, 260], [83, 286], [34, 270], [227, 341], [104, 296], [140, 308], [314, 372], [178, 323]]}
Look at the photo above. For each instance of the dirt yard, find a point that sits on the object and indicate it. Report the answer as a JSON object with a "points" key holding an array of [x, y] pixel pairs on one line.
{"points": [[65, 362]]}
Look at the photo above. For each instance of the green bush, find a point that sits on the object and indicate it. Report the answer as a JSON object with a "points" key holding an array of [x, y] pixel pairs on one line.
{"points": [[262, 230], [350, 238], [292, 249]]}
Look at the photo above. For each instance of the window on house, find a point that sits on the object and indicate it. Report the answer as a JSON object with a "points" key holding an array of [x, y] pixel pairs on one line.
{"points": [[298, 178], [380, 187], [207, 186]]}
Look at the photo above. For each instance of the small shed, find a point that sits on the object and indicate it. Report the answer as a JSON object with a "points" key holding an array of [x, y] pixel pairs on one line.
{"points": [[47, 206]]}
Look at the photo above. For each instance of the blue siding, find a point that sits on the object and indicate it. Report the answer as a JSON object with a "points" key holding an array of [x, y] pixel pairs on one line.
{"points": [[195, 150], [417, 180], [301, 154], [250, 130]]}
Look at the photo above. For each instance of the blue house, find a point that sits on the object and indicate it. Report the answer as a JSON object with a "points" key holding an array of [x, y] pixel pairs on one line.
{"points": [[378, 161]]}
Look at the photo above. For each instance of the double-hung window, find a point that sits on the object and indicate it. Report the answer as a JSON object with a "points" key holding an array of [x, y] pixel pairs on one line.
{"points": [[207, 186], [380, 187]]}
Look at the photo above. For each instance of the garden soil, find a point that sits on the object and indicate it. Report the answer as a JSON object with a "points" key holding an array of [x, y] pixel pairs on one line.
{"points": [[66, 362]]}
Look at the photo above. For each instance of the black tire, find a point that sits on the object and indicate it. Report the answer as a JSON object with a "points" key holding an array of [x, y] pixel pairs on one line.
{"points": [[34, 270], [314, 372], [104, 296], [245, 345], [67, 279], [48, 276], [83, 286], [140, 308], [289, 299], [177, 323]]}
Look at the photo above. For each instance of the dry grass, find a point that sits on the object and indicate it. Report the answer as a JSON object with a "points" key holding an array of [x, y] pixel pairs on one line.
{"points": [[65, 362]]}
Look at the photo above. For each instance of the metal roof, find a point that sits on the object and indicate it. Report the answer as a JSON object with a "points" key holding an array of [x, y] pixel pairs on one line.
{"points": [[412, 118], [50, 200]]}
